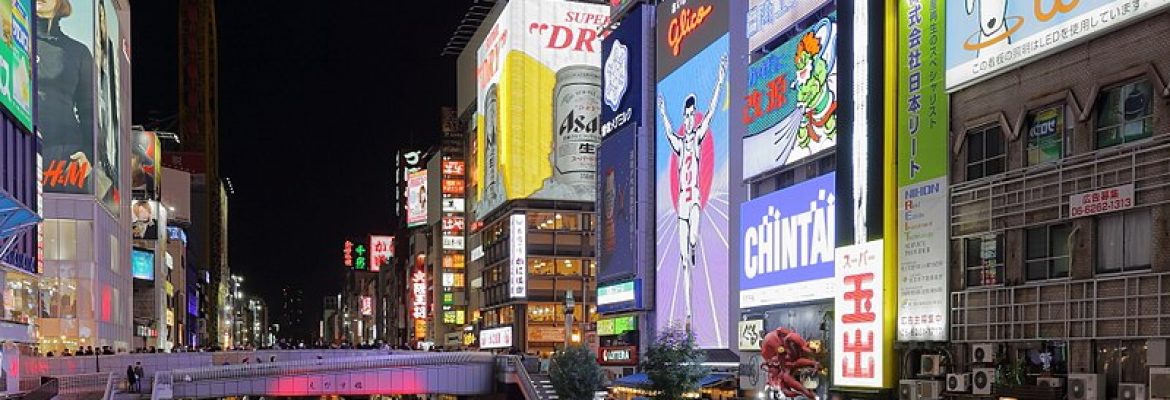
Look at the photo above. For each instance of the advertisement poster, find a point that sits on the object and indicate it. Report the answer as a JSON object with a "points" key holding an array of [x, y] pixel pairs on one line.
{"points": [[788, 241], [625, 65], [793, 349], [923, 130], [768, 18], [144, 219], [791, 105], [416, 198], [539, 102], [618, 205], [66, 92], [691, 158], [859, 341], [145, 167], [381, 252], [986, 37], [142, 264], [15, 63], [108, 54]]}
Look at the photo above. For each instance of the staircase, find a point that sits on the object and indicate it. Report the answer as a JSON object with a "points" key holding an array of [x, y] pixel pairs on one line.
{"points": [[544, 387]]}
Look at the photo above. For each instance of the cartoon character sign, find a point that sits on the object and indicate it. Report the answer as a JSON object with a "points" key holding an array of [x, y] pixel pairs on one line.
{"points": [[791, 106], [787, 357]]}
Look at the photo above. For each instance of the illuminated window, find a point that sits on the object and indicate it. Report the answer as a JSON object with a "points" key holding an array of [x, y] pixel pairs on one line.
{"points": [[569, 267], [542, 267], [984, 258], [985, 156], [1125, 114]]}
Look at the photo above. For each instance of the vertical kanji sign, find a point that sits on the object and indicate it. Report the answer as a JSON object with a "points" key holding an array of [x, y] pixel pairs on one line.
{"points": [[859, 342]]}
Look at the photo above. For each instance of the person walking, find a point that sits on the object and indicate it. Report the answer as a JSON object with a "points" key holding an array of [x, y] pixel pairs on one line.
{"points": [[139, 375], [131, 378]]}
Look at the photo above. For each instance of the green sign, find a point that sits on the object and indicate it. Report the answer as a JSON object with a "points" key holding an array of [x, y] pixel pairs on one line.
{"points": [[15, 71], [617, 325], [448, 298], [923, 107]]}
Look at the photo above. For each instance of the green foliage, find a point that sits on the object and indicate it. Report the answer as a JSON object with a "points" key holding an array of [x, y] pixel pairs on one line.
{"points": [[672, 363], [574, 373]]}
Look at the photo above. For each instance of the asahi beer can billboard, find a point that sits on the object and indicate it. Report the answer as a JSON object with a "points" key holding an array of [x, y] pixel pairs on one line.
{"points": [[539, 99]]}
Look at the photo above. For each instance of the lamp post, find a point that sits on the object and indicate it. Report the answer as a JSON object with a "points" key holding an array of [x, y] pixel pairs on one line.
{"points": [[569, 304]]}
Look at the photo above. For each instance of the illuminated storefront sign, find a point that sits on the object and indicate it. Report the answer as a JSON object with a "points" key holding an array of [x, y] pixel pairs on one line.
{"points": [[617, 325], [453, 205], [453, 224], [859, 343], [452, 242], [453, 168], [418, 284], [452, 186], [619, 296], [367, 305], [497, 338], [347, 254], [624, 355], [518, 260], [381, 251]]}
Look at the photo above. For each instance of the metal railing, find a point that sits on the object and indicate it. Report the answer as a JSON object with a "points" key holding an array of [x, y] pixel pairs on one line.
{"points": [[45, 391], [183, 376], [513, 364]]}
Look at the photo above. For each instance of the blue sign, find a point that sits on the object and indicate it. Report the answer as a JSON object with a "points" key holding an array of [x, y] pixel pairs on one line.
{"points": [[142, 264], [788, 238], [624, 57], [617, 163], [618, 297]]}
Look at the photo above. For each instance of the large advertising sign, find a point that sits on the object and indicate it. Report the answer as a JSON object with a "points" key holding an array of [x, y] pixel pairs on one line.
{"points": [[986, 37], [788, 241], [619, 296], [110, 50], [381, 252], [618, 204], [791, 105], [420, 306], [144, 219], [142, 264], [145, 165], [539, 98], [15, 63], [691, 165], [923, 129], [768, 18], [65, 96], [416, 199], [859, 345], [518, 257], [625, 66], [496, 338]]}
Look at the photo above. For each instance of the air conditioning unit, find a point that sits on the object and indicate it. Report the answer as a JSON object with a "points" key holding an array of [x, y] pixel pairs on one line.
{"points": [[931, 365], [1050, 382], [1086, 387], [1159, 384], [982, 379], [929, 389], [958, 383], [908, 389], [983, 353], [1131, 391]]}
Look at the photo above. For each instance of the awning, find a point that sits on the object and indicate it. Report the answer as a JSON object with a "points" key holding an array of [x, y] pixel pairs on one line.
{"points": [[14, 219], [642, 381]]}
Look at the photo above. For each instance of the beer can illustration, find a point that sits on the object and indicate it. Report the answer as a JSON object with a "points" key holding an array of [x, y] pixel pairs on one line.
{"points": [[576, 124]]}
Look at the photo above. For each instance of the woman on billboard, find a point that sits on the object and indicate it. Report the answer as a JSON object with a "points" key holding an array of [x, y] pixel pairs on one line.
{"points": [[108, 128], [65, 98]]}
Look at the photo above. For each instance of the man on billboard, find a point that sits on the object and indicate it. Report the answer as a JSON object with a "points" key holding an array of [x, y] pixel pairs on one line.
{"points": [[686, 146]]}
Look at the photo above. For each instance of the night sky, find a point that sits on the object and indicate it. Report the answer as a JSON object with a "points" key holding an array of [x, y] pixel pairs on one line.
{"points": [[314, 102]]}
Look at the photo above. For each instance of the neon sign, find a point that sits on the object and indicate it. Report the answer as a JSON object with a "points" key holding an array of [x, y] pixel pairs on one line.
{"points": [[687, 21]]}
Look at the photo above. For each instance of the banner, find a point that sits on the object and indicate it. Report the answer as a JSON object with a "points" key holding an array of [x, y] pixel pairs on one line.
{"points": [[539, 102], [986, 37], [791, 105], [788, 239], [691, 158], [923, 131]]}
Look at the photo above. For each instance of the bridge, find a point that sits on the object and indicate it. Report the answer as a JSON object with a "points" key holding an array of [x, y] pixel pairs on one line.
{"points": [[305, 373]]}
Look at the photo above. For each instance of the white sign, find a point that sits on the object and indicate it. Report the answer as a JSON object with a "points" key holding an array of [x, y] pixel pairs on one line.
{"points": [[767, 18], [1101, 201], [476, 253], [448, 279], [613, 294], [452, 242], [922, 261], [453, 205], [419, 291], [859, 345], [497, 338], [751, 333], [518, 257]]}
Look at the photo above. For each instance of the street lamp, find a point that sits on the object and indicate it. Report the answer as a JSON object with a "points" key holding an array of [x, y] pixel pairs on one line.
{"points": [[569, 304]]}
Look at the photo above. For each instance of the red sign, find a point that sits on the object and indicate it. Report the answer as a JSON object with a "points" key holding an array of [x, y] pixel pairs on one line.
{"points": [[454, 168], [859, 343], [347, 254], [624, 355], [453, 225], [453, 187], [418, 290], [381, 251], [70, 174], [687, 21]]}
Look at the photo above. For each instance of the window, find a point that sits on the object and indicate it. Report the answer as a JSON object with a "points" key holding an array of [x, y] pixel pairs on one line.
{"points": [[1046, 138], [1125, 114], [985, 152], [1123, 241], [1047, 252], [984, 261]]}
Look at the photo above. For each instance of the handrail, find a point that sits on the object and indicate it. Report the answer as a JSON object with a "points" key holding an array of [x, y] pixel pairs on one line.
{"points": [[307, 366], [45, 391], [513, 362], [109, 394]]}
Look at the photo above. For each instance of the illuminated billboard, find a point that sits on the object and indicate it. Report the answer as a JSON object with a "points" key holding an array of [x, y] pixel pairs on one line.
{"points": [[692, 169], [617, 205], [860, 344], [791, 105], [381, 251], [420, 305], [144, 219], [539, 102], [66, 91], [416, 199], [145, 165], [16, 68], [142, 264], [626, 61], [768, 18], [788, 239]]}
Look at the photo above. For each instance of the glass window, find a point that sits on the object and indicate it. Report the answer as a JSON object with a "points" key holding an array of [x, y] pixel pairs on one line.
{"points": [[1046, 138], [984, 261], [1124, 114], [115, 260], [1047, 252], [541, 267], [985, 152], [569, 268], [1123, 241]]}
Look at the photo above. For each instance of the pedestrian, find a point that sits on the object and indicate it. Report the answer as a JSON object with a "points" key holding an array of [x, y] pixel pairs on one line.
{"points": [[131, 378], [138, 373]]}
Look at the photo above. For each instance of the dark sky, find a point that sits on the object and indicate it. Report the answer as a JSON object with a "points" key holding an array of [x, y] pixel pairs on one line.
{"points": [[315, 99]]}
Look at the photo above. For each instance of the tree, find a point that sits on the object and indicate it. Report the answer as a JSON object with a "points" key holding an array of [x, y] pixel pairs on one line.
{"points": [[672, 364], [574, 373]]}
